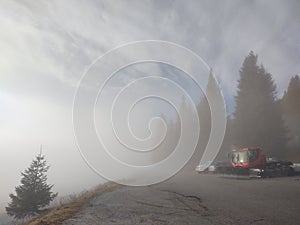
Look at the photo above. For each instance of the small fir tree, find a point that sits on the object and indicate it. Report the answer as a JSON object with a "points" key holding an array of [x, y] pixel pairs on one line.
{"points": [[34, 193]]}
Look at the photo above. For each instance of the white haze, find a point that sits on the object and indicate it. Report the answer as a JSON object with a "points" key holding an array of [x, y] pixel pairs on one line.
{"points": [[45, 46]]}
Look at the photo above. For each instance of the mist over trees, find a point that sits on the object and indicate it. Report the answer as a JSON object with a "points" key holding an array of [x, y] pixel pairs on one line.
{"points": [[204, 114], [260, 118], [34, 193]]}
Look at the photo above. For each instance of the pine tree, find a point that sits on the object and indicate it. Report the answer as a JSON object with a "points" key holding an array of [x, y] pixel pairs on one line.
{"points": [[258, 117], [227, 142], [205, 118], [291, 108], [204, 113], [34, 193], [291, 97]]}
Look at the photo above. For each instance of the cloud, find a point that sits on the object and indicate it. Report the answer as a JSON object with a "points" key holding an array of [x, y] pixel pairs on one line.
{"points": [[60, 39]]}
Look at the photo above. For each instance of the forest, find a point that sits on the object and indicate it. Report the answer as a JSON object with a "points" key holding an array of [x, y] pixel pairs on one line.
{"points": [[261, 118]]}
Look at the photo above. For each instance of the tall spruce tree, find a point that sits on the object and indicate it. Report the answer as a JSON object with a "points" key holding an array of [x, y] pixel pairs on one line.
{"points": [[204, 113], [34, 193], [227, 141], [291, 108], [258, 118], [291, 97]]}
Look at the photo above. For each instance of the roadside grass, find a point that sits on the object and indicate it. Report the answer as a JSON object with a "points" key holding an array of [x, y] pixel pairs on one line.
{"points": [[59, 214]]}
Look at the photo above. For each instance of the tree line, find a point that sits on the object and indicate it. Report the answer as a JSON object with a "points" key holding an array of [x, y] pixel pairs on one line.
{"points": [[260, 119]]}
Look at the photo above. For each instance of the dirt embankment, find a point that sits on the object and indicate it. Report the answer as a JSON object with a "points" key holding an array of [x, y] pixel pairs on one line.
{"points": [[58, 215]]}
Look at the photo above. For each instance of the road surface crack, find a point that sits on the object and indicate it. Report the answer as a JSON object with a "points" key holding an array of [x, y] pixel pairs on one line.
{"points": [[160, 206], [257, 220], [198, 199]]}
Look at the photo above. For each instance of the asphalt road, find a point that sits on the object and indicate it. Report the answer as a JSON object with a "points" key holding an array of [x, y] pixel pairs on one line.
{"points": [[244, 201], [191, 198]]}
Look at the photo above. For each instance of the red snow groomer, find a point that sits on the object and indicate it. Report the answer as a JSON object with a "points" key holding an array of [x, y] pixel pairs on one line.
{"points": [[254, 162]]}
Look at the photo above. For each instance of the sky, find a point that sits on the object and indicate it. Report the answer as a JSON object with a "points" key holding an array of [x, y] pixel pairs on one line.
{"points": [[46, 47]]}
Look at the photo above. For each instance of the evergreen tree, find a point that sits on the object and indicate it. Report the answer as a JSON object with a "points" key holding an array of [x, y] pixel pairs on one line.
{"points": [[291, 107], [227, 142], [169, 142], [204, 113], [291, 97], [34, 193], [185, 126], [258, 117], [205, 125]]}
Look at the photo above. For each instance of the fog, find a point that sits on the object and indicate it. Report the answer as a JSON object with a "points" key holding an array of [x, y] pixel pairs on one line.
{"points": [[46, 47]]}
